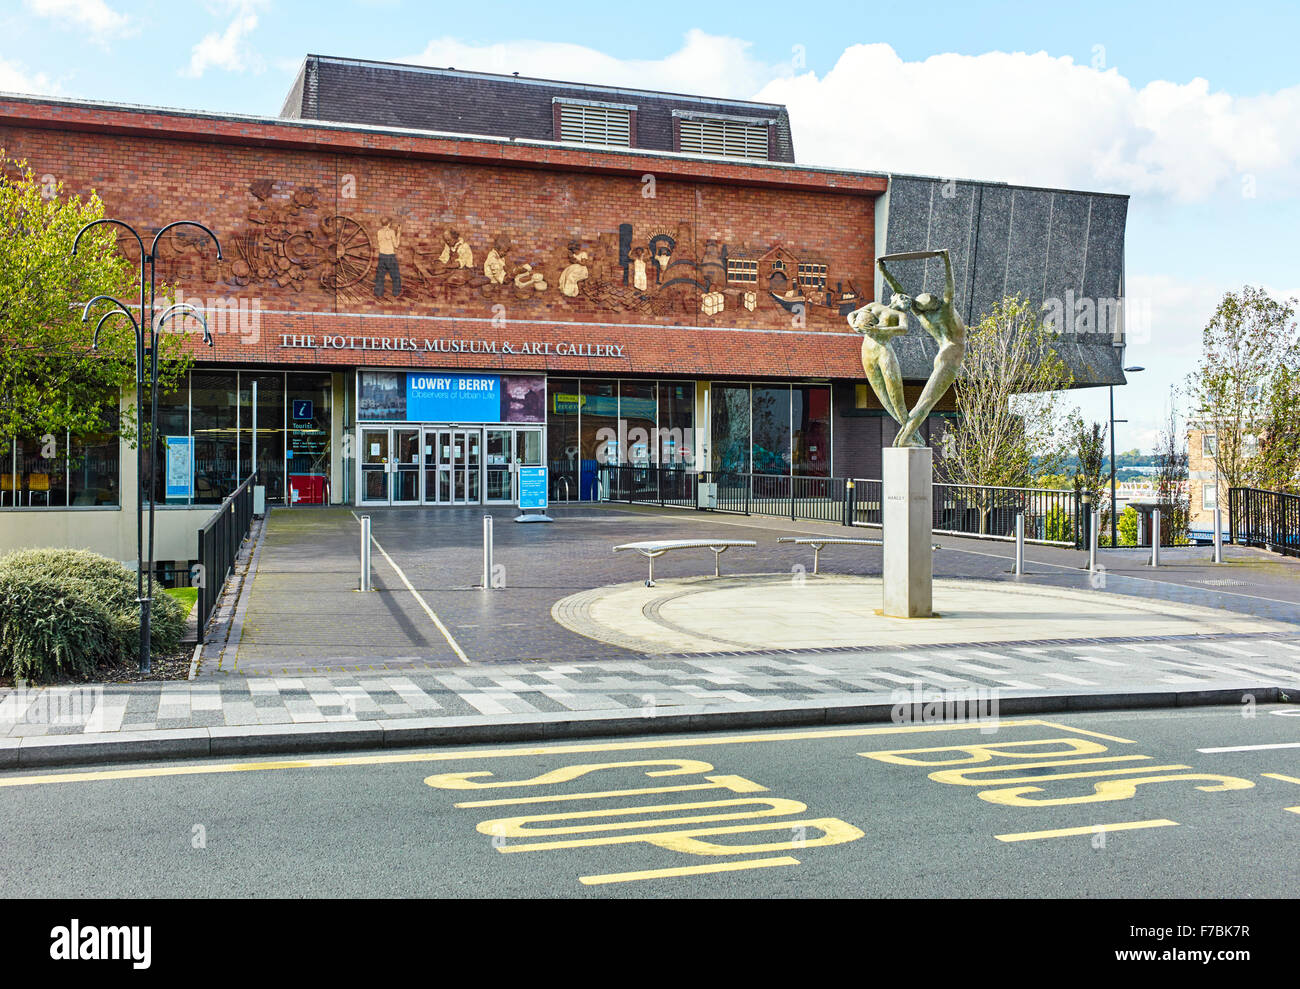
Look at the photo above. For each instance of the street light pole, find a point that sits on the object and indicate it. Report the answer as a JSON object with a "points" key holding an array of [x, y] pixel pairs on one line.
{"points": [[1114, 507], [146, 322]]}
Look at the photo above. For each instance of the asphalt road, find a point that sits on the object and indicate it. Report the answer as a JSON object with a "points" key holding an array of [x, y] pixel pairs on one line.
{"points": [[845, 811]]}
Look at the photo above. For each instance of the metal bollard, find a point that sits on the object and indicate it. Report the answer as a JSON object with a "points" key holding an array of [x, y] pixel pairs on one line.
{"points": [[365, 552], [487, 552], [1020, 543], [1093, 529], [1218, 535], [1155, 537]]}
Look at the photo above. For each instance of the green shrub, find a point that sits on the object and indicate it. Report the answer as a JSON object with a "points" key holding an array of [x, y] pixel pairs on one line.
{"points": [[66, 611], [1128, 526]]}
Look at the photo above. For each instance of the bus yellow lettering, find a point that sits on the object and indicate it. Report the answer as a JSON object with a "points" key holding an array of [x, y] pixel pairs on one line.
{"points": [[466, 781], [1111, 789], [986, 752]]}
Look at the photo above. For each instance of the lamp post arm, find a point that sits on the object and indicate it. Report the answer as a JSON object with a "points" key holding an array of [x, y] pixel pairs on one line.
{"points": [[153, 250], [94, 223], [183, 308]]}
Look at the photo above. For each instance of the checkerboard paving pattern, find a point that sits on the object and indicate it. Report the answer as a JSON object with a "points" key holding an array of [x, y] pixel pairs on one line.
{"points": [[766, 680]]}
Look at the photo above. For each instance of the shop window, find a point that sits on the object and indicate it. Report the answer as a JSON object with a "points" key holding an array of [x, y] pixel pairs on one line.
{"points": [[308, 455], [677, 424], [214, 424], [810, 416], [94, 464], [637, 418], [270, 433], [730, 428], [771, 428]]}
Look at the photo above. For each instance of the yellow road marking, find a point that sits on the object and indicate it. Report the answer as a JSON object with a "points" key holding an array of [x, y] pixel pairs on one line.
{"points": [[1293, 810], [736, 784], [686, 870], [1087, 829], [540, 750], [1094, 734], [1279, 776]]}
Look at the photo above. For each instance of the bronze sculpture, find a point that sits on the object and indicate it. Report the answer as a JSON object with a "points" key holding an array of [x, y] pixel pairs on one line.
{"points": [[879, 323]]}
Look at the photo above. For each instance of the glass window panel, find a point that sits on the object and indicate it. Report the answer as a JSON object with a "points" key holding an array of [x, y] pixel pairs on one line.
{"points": [[173, 420], [94, 464], [308, 455], [562, 399], [42, 471], [676, 439], [598, 442], [638, 415], [771, 430], [811, 407], [8, 483], [270, 431], [214, 412], [731, 428]]}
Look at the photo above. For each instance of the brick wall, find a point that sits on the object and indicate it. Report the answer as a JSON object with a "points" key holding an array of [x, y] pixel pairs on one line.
{"points": [[298, 213]]}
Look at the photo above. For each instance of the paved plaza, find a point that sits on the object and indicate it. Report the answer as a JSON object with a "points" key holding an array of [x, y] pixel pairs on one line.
{"points": [[575, 633]]}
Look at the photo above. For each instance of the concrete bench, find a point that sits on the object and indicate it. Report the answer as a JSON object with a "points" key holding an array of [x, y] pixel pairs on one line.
{"points": [[818, 543], [652, 549]]}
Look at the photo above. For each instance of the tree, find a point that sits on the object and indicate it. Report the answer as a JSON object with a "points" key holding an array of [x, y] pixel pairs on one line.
{"points": [[51, 380], [1089, 442], [1009, 408], [1244, 387], [1171, 481]]}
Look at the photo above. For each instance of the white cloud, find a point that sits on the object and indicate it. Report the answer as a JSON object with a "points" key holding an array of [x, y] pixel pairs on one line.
{"points": [[228, 49], [16, 79], [706, 64], [1041, 120], [93, 15]]}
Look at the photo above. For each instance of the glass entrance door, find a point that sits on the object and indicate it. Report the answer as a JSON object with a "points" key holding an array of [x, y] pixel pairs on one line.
{"points": [[406, 466], [452, 465], [499, 470], [374, 466]]}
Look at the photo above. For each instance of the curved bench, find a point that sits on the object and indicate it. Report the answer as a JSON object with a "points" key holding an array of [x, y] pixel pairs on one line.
{"points": [[818, 543], [652, 549]]}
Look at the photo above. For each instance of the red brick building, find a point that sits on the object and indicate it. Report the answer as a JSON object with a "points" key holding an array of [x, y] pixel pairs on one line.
{"points": [[430, 277]]}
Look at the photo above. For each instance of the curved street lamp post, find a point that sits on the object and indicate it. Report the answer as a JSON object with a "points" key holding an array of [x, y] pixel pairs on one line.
{"points": [[143, 567]]}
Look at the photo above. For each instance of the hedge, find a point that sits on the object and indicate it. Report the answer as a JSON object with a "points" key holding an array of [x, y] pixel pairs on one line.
{"points": [[66, 612]]}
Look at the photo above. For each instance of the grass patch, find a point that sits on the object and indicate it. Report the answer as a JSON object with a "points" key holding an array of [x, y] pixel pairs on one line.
{"points": [[187, 597]]}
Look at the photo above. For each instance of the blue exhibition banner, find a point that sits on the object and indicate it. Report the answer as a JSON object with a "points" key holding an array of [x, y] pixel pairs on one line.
{"points": [[532, 487], [453, 397]]}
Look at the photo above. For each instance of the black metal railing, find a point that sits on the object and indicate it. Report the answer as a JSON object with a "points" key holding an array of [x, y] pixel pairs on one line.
{"points": [[1052, 516], [1270, 519], [219, 542]]}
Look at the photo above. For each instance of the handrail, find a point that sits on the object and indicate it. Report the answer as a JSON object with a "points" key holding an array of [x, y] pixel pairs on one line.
{"points": [[226, 504]]}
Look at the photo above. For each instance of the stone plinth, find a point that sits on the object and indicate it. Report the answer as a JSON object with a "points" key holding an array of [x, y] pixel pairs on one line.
{"points": [[908, 571]]}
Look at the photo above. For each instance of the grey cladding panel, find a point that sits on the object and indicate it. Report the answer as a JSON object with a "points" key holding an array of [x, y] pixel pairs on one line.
{"points": [[1068, 244], [952, 226], [990, 251], [1031, 211], [1105, 273]]}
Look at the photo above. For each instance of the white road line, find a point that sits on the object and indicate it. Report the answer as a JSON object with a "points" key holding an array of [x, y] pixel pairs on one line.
{"points": [[1253, 748], [942, 677], [1066, 678], [1019, 684], [425, 605], [1235, 652], [1100, 661]]}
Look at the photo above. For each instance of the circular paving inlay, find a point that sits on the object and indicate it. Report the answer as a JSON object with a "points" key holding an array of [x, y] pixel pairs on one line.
{"points": [[766, 612]]}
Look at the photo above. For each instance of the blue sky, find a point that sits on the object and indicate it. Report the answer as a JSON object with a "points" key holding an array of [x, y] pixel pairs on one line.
{"points": [[1193, 109]]}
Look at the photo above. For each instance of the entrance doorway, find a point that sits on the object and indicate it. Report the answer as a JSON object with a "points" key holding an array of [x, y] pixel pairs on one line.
{"points": [[445, 465]]}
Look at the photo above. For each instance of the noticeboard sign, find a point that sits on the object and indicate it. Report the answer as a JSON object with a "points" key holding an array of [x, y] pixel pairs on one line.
{"points": [[532, 487]]}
